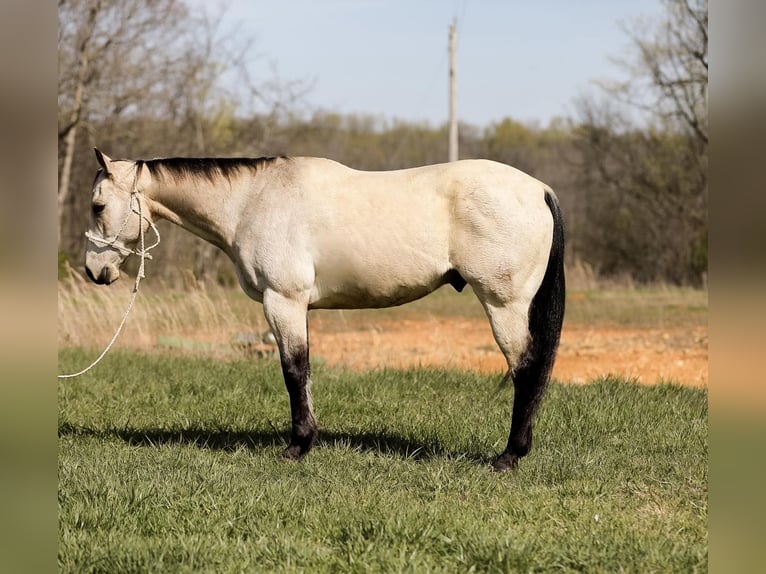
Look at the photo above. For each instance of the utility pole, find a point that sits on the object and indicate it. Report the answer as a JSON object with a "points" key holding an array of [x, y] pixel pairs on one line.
{"points": [[452, 93]]}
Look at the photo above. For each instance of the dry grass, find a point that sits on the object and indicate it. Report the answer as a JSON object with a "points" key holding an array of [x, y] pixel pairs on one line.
{"points": [[88, 315], [223, 322]]}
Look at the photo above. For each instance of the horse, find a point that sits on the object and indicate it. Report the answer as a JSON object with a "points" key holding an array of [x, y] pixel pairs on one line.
{"points": [[310, 233]]}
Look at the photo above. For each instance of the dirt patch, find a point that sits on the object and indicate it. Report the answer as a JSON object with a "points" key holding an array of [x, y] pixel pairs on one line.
{"points": [[650, 356]]}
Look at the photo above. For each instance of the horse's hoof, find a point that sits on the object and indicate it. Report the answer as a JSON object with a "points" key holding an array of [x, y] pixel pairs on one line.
{"points": [[293, 452], [505, 462]]}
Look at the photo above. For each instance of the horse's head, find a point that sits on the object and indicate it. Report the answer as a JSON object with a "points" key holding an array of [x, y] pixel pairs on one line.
{"points": [[115, 223]]}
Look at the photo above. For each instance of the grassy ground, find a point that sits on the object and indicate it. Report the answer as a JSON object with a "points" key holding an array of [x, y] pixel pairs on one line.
{"points": [[170, 464]]}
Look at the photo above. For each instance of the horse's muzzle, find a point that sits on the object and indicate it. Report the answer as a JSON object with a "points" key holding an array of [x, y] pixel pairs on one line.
{"points": [[103, 278]]}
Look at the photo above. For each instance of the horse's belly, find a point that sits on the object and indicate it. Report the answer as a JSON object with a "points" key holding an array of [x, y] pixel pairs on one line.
{"points": [[361, 299], [372, 287]]}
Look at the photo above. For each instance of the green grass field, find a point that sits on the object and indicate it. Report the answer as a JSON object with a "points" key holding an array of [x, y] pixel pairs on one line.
{"points": [[170, 464]]}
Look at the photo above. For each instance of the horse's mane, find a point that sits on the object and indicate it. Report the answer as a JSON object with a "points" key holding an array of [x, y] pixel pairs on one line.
{"points": [[179, 168]]}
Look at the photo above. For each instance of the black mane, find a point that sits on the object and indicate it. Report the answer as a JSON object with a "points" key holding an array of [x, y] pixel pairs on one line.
{"points": [[208, 167]]}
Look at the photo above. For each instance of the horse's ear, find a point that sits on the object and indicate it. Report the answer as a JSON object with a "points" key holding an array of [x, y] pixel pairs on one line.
{"points": [[103, 160]]}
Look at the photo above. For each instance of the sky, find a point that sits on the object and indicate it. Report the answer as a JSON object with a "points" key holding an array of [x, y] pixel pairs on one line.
{"points": [[521, 59]]}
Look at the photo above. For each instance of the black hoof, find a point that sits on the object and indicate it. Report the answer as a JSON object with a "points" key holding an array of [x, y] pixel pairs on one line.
{"points": [[294, 452], [505, 462]]}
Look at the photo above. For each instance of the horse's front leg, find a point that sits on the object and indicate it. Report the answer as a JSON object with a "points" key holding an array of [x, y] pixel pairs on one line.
{"points": [[287, 318]]}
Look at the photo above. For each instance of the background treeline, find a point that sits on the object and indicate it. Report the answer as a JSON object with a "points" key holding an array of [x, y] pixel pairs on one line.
{"points": [[630, 167]]}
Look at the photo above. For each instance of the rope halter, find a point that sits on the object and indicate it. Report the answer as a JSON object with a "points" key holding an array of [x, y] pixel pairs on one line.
{"points": [[142, 252], [116, 243]]}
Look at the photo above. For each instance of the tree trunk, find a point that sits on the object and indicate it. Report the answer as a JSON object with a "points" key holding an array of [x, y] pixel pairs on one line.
{"points": [[66, 172], [70, 134]]}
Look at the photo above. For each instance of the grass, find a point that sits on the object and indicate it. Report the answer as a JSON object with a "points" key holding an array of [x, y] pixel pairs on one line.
{"points": [[659, 307], [170, 464], [168, 461]]}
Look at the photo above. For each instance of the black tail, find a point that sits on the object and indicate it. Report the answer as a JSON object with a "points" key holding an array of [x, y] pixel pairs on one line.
{"points": [[546, 315]]}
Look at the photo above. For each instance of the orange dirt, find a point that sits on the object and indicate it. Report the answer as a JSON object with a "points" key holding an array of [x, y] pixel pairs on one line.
{"points": [[676, 354]]}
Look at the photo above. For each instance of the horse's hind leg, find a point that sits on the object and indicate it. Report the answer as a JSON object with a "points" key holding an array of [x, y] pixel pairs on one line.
{"points": [[510, 326], [288, 321]]}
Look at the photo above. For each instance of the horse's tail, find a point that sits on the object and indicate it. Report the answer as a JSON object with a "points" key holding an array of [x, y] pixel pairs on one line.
{"points": [[546, 313]]}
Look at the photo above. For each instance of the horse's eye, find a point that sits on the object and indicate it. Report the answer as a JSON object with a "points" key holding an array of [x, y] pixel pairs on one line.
{"points": [[97, 208]]}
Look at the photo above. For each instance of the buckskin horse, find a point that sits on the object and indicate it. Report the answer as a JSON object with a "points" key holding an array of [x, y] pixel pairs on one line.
{"points": [[309, 233]]}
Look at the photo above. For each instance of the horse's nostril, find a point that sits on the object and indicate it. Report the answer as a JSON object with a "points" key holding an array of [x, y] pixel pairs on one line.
{"points": [[101, 279]]}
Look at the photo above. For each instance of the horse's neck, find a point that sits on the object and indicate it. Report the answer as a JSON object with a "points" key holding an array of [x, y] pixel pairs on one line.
{"points": [[209, 210]]}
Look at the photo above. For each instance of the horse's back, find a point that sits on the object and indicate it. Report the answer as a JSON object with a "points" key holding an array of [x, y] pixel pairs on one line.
{"points": [[419, 193]]}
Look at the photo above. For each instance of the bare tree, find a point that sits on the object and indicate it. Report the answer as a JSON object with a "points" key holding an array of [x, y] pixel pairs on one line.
{"points": [[669, 67], [113, 55], [645, 187]]}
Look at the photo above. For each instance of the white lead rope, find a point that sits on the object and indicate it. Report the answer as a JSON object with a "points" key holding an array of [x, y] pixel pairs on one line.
{"points": [[142, 252]]}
